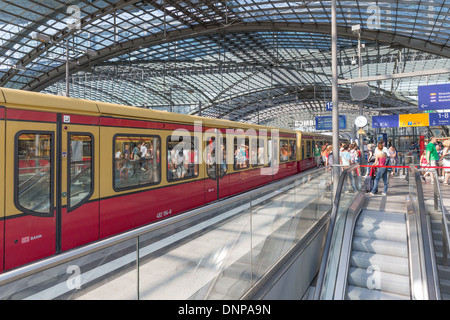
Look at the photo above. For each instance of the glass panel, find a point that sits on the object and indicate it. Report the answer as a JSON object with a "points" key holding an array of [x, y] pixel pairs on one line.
{"points": [[91, 277], [137, 161], [223, 157], [34, 172], [285, 150], [241, 156], [182, 158], [80, 179], [211, 261], [211, 157], [293, 144]]}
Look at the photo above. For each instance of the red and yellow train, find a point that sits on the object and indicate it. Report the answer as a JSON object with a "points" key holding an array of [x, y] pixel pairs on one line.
{"points": [[75, 171]]}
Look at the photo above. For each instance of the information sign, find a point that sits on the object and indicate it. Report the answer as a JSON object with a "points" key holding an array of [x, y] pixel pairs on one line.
{"points": [[326, 122], [414, 120], [434, 97]]}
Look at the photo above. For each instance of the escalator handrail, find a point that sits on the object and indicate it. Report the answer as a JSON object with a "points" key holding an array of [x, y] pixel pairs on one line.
{"points": [[429, 274], [326, 250]]}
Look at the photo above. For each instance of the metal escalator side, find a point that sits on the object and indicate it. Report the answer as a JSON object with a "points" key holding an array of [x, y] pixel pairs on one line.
{"points": [[333, 280], [424, 275], [328, 278]]}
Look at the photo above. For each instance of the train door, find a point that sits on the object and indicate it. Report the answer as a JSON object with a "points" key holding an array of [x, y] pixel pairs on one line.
{"points": [[30, 199], [2, 183], [216, 185], [79, 223]]}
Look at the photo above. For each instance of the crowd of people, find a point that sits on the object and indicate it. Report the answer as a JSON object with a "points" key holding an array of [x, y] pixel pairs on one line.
{"points": [[384, 159], [436, 154]]}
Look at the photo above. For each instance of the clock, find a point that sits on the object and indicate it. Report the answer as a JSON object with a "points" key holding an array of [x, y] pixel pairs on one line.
{"points": [[361, 121]]}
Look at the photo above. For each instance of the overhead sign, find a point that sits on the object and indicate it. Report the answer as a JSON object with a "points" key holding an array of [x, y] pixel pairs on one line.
{"points": [[414, 120], [385, 121], [434, 97], [440, 119], [326, 122], [329, 106]]}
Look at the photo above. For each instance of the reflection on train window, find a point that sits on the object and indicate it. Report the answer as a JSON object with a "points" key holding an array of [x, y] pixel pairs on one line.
{"points": [[257, 152], [34, 172], [303, 150], [308, 149], [293, 144], [241, 156], [182, 158], [137, 161], [81, 172], [213, 157], [285, 150]]}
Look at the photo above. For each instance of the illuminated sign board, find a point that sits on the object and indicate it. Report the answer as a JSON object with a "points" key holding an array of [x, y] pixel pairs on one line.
{"points": [[385, 121], [414, 120], [434, 97], [325, 123]]}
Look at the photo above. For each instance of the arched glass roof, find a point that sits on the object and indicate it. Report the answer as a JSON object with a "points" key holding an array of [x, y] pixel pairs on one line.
{"points": [[245, 60]]}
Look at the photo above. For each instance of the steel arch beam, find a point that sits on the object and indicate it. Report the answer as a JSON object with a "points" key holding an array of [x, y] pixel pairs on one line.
{"points": [[163, 37]]}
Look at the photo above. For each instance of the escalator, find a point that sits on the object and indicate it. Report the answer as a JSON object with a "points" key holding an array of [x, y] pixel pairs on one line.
{"points": [[378, 247]]}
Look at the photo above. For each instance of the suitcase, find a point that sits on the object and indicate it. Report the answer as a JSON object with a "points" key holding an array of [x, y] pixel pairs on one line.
{"points": [[368, 183]]}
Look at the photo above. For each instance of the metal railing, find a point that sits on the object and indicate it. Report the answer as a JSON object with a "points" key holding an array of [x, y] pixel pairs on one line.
{"points": [[439, 204], [273, 217]]}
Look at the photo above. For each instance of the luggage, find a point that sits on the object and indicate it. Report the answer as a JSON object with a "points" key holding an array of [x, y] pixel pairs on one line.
{"points": [[368, 183]]}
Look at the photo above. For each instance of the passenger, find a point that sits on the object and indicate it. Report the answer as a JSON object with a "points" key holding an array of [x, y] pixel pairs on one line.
{"points": [[317, 155], [346, 161], [446, 162], [126, 152], [432, 156], [181, 164], [423, 163], [329, 155], [380, 160], [393, 159]]}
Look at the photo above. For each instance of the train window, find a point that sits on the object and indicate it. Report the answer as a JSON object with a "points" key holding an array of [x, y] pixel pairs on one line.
{"points": [[257, 152], [182, 158], [285, 150], [293, 155], [80, 179], [241, 156], [137, 161], [34, 172], [303, 149], [308, 149], [211, 157]]}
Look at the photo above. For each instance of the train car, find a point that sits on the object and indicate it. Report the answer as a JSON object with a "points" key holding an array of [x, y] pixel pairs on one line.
{"points": [[75, 171], [307, 142]]}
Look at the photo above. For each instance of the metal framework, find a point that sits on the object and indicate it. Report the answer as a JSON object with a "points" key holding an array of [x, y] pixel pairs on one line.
{"points": [[244, 60]]}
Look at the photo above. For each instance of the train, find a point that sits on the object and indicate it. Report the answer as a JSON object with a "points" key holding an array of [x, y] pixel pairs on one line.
{"points": [[75, 171]]}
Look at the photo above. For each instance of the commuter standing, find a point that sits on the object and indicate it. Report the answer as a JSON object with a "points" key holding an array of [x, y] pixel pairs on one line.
{"points": [[382, 172], [432, 155], [446, 162]]}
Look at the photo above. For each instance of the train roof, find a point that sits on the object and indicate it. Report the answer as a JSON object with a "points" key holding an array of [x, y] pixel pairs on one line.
{"points": [[54, 103]]}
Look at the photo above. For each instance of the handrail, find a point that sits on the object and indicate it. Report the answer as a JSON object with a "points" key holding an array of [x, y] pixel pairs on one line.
{"points": [[41, 265], [427, 258], [327, 247], [444, 221]]}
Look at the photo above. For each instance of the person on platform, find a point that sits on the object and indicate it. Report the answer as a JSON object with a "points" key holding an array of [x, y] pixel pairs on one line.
{"points": [[382, 172], [445, 156], [432, 157]]}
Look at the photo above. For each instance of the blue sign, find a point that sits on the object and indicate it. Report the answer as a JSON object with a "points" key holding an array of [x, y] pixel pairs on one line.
{"points": [[434, 97], [385, 121], [326, 122], [329, 106], [439, 119]]}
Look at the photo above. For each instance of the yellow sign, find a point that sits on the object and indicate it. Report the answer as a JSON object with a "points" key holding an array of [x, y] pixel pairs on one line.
{"points": [[414, 120]]}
